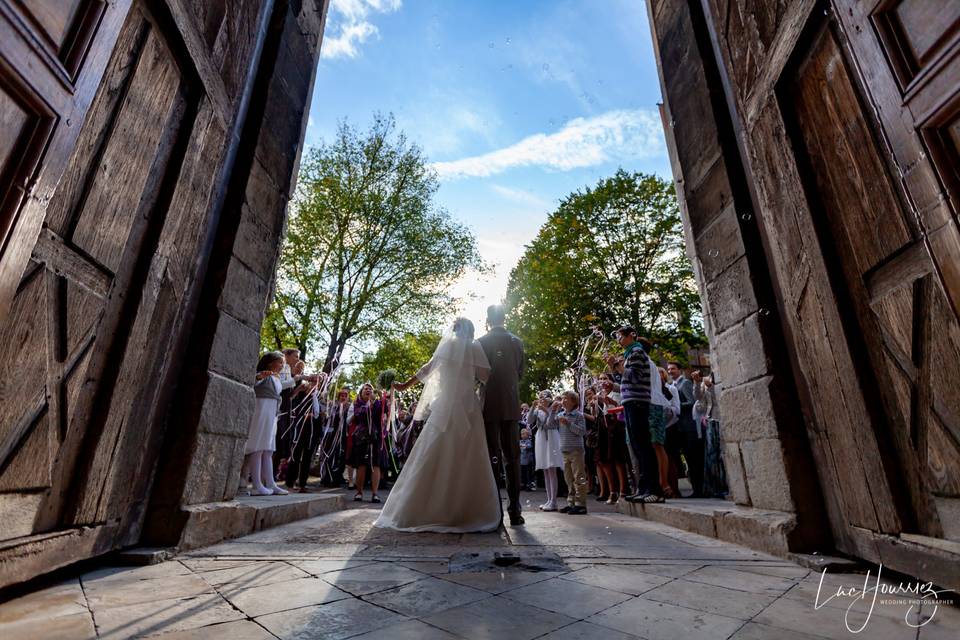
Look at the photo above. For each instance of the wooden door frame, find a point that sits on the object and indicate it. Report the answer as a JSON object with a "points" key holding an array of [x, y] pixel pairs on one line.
{"points": [[909, 553]]}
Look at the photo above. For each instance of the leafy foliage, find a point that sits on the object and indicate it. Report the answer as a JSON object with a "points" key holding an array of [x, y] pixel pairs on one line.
{"points": [[368, 253], [609, 255], [403, 354]]}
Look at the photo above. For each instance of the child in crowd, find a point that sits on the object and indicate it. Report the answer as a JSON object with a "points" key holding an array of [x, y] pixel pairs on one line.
{"points": [[572, 427], [547, 456], [261, 435], [526, 460]]}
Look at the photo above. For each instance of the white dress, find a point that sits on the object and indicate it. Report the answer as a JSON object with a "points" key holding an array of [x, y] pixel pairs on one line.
{"points": [[262, 434], [447, 483], [546, 444]]}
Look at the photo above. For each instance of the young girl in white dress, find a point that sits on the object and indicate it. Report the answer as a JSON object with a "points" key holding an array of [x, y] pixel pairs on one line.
{"points": [[261, 437], [547, 446]]}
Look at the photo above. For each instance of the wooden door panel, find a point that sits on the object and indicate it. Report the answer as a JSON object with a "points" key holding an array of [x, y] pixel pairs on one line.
{"points": [[27, 126], [111, 203], [53, 18], [22, 401], [841, 418], [916, 33]]}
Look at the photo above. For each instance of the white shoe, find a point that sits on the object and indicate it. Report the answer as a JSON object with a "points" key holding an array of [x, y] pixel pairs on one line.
{"points": [[277, 491], [548, 507]]}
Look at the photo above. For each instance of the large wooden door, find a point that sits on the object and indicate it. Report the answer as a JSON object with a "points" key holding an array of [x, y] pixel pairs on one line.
{"points": [[52, 58], [885, 230], [107, 257]]}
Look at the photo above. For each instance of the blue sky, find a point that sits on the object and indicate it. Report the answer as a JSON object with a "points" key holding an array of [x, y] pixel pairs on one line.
{"points": [[517, 103]]}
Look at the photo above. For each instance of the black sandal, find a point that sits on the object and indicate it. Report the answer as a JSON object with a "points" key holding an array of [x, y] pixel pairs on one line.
{"points": [[358, 497], [374, 498]]}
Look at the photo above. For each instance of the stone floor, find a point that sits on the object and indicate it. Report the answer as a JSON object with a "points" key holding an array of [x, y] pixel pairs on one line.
{"points": [[604, 576]]}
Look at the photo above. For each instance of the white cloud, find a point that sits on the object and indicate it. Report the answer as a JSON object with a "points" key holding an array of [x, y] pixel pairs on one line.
{"points": [[520, 196], [464, 119], [582, 142], [349, 25]]}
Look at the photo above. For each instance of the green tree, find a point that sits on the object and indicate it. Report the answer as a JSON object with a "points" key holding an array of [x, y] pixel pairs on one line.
{"points": [[405, 354], [368, 253], [609, 255]]}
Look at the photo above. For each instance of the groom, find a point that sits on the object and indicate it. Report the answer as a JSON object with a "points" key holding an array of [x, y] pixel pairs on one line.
{"points": [[501, 405]]}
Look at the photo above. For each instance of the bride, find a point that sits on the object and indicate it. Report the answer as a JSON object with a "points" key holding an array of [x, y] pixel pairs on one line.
{"points": [[447, 484]]}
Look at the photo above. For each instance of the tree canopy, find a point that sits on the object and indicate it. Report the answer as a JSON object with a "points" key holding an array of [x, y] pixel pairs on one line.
{"points": [[610, 254], [368, 252], [405, 354]]}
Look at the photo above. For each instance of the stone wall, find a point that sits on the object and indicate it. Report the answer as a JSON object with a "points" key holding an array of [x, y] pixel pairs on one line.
{"points": [[206, 437], [765, 450]]}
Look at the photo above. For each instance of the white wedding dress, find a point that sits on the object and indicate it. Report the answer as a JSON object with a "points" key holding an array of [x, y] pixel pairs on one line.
{"points": [[447, 483]]}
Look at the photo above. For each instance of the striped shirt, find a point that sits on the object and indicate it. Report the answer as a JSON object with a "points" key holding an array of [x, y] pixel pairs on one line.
{"points": [[571, 433], [635, 384]]}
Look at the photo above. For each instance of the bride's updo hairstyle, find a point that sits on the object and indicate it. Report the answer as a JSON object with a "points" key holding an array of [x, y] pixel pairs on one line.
{"points": [[463, 328]]}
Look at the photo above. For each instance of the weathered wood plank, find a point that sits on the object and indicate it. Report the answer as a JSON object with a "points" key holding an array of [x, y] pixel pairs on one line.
{"points": [[64, 261], [107, 217], [202, 60], [899, 270]]}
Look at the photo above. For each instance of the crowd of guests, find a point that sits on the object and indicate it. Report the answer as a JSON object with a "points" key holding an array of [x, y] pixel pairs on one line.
{"points": [[296, 432], [630, 434]]}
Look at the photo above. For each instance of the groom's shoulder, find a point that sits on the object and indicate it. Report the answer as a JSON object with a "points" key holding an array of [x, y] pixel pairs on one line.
{"points": [[501, 335]]}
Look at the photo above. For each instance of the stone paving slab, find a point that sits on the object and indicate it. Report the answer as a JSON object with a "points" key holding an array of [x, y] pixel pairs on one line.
{"points": [[128, 574], [254, 574], [587, 631], [497, 582], [320, 567], [334, 621], [105, 594], [371, 578], [662, 621], [64, 599], [570, 598], [757, 631], [710, 599], [646, 580], [426, 597], [409, 630], [751, 582], [628, 580], [162, 616], [78, 626], [797, 616], [239, 630], [498, 617], [270, 598]]}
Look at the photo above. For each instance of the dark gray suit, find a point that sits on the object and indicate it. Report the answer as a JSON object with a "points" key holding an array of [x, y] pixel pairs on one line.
{"points": [[501, 407]]}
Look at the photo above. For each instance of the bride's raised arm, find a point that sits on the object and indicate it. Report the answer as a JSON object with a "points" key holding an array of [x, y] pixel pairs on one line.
{"points": [[419, 376]]}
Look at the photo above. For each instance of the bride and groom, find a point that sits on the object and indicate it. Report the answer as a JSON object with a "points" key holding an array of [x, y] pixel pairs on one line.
{"points": [[448, 484]]}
